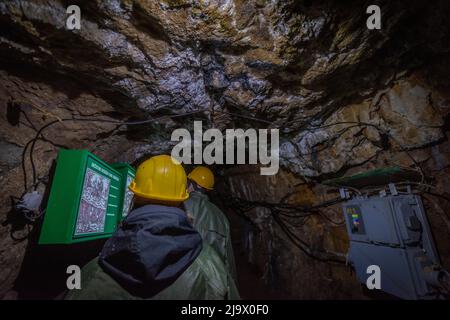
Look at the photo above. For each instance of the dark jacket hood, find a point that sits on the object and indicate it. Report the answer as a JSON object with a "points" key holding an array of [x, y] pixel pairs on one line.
{"points": [[152, 248]]}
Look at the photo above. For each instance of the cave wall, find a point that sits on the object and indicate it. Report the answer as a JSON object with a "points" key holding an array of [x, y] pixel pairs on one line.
{"points": [[346, 99]]}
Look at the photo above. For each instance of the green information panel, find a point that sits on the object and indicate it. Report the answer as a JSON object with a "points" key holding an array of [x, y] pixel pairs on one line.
{"points": [[128, 173], [85, 199]]}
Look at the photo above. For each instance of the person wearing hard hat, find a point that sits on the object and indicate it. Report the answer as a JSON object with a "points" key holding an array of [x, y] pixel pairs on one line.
{"points": [[207, 218], [156, 253]]}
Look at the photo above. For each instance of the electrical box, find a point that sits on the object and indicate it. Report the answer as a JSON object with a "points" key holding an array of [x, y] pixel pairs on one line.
{"points": [[392, 232], [128, 173], [85, 199]]}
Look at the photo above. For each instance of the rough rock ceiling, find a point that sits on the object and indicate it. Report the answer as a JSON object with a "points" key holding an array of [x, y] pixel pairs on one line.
{"points": [[291, 63]]}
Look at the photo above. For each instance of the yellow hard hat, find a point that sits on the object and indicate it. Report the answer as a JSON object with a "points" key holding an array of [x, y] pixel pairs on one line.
{"points": [[203, 177], [160, 178]]}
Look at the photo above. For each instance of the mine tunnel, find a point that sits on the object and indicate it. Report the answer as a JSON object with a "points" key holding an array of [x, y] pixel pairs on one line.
{"points": [[348, 102]]}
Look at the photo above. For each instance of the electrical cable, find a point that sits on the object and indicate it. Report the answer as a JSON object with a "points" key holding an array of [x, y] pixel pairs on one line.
{"points": [[303, 246], [119, 123], [245, 117], [32, 143], [336, 223], [282, 206], [278, 210], [378, 128], [140, 122], [21, 238]]}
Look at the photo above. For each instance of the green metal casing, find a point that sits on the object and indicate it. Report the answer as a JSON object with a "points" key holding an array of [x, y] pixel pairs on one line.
{"points": [[128, 173], [84, 201], [376, 177]]}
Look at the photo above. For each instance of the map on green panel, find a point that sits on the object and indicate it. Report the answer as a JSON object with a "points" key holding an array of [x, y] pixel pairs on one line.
{"points": [[85, 201]]}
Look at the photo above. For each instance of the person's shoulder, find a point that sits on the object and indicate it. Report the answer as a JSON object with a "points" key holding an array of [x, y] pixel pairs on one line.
{"points": [[154, 212], [213, 270], [209, 259], [91, 267], [216, 210], [151, 208]]}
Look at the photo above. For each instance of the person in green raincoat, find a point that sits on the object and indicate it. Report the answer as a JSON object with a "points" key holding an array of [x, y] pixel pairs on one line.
{"points": [[207, 218], [156, 253]]}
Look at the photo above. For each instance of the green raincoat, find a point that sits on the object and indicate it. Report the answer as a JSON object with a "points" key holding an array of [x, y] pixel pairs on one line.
{"points": [[205, 279], [213, 226], [156, 254]]}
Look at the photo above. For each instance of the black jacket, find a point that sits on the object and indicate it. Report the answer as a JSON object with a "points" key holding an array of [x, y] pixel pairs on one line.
{"points": [[152, 248]]}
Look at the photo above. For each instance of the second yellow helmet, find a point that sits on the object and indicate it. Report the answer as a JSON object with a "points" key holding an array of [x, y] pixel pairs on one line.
{"points": [[203, 177], [160, 178]]}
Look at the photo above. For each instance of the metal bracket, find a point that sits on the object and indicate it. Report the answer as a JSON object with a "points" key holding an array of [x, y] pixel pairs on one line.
{"points": [[393, 189], [344, 193]]}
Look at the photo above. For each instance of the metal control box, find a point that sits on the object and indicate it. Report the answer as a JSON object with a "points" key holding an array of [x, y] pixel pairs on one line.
{"points": [[84, 200], [393, 233], [128, 173]]}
